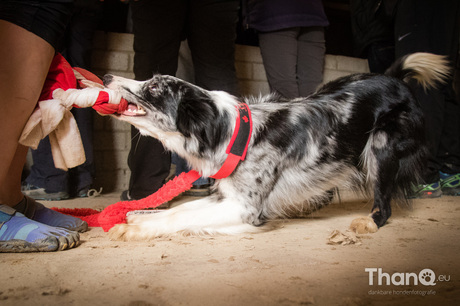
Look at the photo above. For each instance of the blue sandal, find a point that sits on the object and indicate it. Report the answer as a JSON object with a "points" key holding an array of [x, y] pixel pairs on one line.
{"points": [[19, 234], [38, 212]]}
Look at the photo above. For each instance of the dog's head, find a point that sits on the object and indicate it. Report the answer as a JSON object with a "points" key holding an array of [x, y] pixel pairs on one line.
{"points": [[165, 106]]}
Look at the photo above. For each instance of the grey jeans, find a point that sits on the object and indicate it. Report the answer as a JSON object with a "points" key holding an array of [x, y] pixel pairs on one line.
{"points": [[293, 60]]}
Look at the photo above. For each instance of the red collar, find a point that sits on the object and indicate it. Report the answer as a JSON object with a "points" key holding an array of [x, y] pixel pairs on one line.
{"points": [[239, 143]]}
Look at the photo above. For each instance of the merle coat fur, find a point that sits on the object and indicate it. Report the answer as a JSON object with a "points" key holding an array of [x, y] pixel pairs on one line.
{"points": [[363, 131]]}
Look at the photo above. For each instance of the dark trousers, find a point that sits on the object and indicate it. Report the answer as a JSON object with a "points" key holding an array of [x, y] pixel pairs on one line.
{"points": [[380, 56], [293, 60], [44, 174], [149, 164], [209, 27], [159, 27], [433, 26], [77, 47]]}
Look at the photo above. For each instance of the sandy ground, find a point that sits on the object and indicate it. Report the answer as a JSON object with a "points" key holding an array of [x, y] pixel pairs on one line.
{"points": [[292, 265]]}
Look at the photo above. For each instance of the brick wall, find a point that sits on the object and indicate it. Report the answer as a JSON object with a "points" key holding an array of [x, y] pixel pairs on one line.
{"points": [[113, 53]]}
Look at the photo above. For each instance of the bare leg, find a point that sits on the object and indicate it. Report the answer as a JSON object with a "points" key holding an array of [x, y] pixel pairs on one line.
{"points": [[22, 74], [24, 63]]}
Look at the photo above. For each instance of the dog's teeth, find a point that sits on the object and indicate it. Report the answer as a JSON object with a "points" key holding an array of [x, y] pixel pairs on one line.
{"points": [[136, 111]]}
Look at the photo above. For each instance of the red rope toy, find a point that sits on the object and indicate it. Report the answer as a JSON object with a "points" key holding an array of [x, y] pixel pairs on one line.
{"points": [[116, 213], [61, 75]]}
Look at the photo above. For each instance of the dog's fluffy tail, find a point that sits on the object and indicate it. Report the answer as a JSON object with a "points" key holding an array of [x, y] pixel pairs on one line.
{"points": [[427, 68]]}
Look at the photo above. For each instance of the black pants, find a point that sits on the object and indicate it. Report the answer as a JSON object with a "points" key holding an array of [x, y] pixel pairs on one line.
{"points": [[433, 26], [76, 47], [159, 27]]}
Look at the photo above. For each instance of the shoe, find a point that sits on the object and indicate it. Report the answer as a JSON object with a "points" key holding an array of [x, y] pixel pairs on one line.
{"points": [[125, 196], [82, 193], [450, 184], [426, 191], [19, 234], [199, 190], [38, 193], [87, 192]]}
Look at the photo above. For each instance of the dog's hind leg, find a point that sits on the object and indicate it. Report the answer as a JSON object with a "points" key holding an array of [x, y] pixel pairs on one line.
{"points": [[381, 210], [203, 216], [382, 167], [383, 190]]}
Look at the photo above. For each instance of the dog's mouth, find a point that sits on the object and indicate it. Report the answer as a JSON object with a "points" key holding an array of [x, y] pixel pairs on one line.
{"points": [[134, 110]]}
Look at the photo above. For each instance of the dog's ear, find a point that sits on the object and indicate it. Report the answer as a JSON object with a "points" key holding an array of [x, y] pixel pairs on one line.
{"points": [[198, 116]]}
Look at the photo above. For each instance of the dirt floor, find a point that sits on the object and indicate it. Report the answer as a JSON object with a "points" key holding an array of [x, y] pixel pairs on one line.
{"points": [[292, 265]]}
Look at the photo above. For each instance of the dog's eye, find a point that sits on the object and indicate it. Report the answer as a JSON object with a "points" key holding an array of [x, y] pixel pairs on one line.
{"points": [[153, 87]]}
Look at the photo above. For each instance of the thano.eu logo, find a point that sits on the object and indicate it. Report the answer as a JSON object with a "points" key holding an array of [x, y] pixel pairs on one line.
{"points": [[425, 277]]}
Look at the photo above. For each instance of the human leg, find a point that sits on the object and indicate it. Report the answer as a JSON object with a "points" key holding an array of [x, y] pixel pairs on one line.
{"points": [[45, 181], [449, 147], [149, 164], [279, 53], [81, 177], [426, 26], [157, 28], [310, 59], [158, 31], [211, 34], [78, 45], [19, 69], [20, 62], [380, 56], [201, 187], [24, 66], [77, 50]]}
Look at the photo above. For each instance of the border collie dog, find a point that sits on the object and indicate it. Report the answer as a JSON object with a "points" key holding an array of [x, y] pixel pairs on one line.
{"points": [[363, 131]]}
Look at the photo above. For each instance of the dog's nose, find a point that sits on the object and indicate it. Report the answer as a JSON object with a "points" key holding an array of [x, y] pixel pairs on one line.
{"points": [[107, 79]]}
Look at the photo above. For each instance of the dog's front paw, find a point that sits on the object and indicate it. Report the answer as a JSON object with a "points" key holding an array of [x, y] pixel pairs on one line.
{"points": [[125, 232], [363, 225]]}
